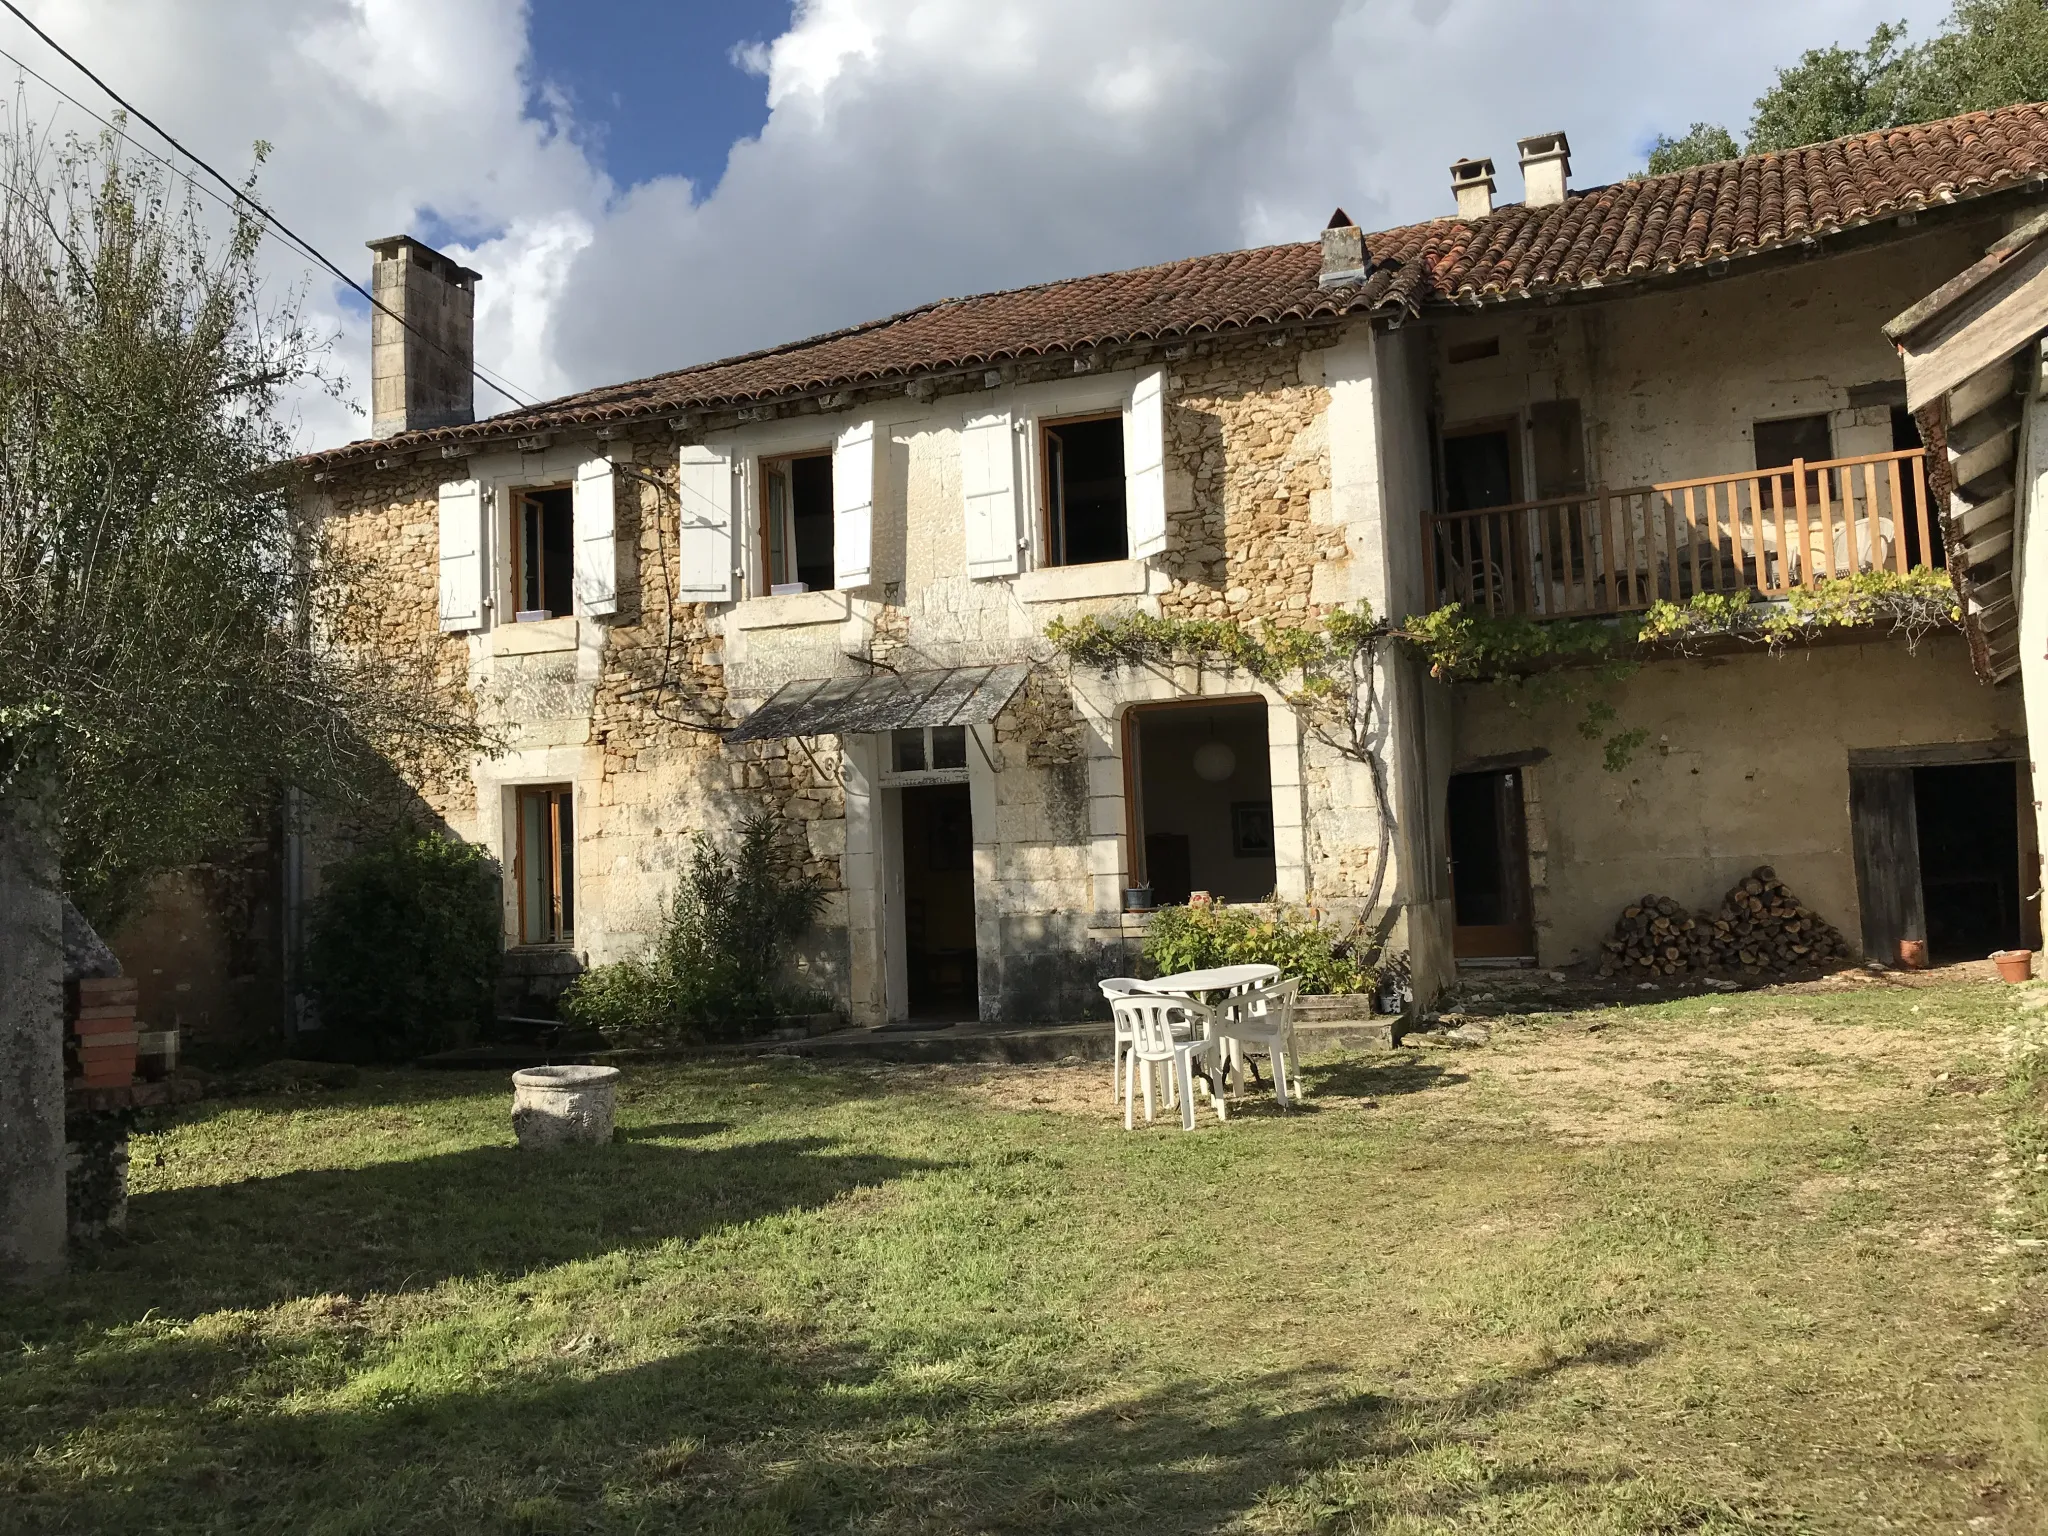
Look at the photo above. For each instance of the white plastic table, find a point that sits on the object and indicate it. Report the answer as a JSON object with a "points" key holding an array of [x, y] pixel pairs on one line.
{"points": [[1197, 986], [1221, 978]]}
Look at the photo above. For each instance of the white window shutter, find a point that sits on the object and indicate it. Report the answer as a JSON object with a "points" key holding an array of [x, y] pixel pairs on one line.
{"points": [[705, 480], [597, 553], [988, 486], [462, 556], [1145, 465], [853, 505]]}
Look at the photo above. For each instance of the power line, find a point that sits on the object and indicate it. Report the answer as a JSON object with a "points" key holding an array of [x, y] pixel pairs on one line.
{"points": [[292, 237]]}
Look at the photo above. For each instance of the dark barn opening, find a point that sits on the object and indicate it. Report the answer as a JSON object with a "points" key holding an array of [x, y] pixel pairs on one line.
{"points": [[1967, 817]]}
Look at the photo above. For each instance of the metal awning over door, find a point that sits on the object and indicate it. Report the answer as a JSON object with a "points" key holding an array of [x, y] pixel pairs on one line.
{"points": [[888, 701]]}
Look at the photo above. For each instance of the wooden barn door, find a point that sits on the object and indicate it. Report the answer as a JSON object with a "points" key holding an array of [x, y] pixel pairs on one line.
{"points": [[1884, 826]]}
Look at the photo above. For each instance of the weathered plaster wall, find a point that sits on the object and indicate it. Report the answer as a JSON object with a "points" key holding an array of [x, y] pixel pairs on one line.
{"points": [[1672, 383], [1746, 764]]}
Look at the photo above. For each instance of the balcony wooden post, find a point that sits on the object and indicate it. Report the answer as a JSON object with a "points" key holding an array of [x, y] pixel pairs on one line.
{"points": [[1432, 594]]}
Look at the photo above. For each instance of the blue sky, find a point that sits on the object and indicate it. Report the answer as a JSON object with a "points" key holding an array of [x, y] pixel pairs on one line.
{"points": [[652, 85]]}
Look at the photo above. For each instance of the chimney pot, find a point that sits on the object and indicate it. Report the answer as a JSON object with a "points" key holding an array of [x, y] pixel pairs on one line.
{"points": [[1472, 185], [422, 338], [1546, 169], [1343, 252]]}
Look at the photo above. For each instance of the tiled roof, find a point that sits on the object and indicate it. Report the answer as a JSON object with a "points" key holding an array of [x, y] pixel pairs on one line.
{"points": [[1597, 237]]}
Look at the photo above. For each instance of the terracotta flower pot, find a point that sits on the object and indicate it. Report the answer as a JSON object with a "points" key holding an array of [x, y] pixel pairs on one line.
{"points": [[2014, 964]]}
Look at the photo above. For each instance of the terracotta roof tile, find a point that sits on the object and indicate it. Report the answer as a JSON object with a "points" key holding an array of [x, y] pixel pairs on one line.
{"points": [[1595, 237]]}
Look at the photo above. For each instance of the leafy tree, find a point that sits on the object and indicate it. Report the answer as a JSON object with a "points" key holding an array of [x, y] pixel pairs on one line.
{"points": [[1703, 144], [174, 647], [1988, 53], [1832, 92]]}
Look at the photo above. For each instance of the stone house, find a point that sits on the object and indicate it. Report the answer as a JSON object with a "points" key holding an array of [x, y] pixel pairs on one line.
{"points": [[819, 578]]}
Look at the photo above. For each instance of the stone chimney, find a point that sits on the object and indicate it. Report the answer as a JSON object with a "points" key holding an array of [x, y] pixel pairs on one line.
{"points": [[1472, 185], [1343, 251], [422, 338], [1546, 168]]}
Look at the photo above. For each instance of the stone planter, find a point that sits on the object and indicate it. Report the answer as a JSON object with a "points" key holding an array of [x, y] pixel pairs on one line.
{"points": [[553, 1106]]}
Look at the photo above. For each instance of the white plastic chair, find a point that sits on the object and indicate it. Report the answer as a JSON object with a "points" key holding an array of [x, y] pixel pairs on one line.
{"points": [[1114, 988], [1262, 1018], [1165, 1032]]}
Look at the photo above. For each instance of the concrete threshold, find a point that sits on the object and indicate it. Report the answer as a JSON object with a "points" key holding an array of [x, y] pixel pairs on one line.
{"points": [[1015, 1043]]}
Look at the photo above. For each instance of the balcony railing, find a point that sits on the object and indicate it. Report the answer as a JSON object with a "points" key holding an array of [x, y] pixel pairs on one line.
{"points": [[1609, 551]]}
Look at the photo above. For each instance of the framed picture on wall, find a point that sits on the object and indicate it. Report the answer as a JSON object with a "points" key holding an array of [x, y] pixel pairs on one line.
{"points": [[1251, 829]]}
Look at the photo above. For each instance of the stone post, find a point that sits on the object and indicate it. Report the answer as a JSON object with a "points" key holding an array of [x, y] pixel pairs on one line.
{"points": [[32, 1212]]}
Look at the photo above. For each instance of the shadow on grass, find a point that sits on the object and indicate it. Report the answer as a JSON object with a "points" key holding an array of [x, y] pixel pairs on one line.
{"points": [[768, 1431], [675, 1130], [496, 1211], [1371, 1078]]}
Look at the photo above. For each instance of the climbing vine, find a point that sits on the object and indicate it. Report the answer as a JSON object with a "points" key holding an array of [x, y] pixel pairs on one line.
{"points": [[1326, 671]]}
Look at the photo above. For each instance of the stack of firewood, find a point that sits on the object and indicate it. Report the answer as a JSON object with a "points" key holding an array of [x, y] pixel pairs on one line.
{"points": [[1760, 929]]}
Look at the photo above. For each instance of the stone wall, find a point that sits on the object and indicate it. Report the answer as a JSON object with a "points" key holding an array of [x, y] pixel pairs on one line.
{"points": [[1746, 764], [627, 707], [1250, 436]]}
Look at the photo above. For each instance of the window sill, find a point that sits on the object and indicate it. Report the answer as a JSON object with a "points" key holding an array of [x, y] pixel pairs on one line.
{"points": [[536, 638], [1073, 583], [795, 609]]}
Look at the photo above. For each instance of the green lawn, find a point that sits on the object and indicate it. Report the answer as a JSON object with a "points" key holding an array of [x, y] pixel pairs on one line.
{"points": [[1740, 1264]]}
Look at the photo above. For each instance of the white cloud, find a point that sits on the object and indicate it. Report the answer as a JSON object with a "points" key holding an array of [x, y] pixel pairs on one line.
{"points": [[914, 148]]}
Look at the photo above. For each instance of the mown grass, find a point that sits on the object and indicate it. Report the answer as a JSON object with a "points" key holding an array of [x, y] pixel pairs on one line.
{"points": [[1724, 1265]]}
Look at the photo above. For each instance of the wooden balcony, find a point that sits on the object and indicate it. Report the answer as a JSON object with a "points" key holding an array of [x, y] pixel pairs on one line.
{"points": [[1610, 551]]}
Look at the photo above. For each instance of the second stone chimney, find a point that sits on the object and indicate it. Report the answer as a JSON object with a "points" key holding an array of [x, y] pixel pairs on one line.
{"points": [[422, 338], [1472, 185], [1546, 169]]}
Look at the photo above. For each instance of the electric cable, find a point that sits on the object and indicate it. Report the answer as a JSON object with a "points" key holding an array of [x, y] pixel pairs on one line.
{"points": [[297, 241]]}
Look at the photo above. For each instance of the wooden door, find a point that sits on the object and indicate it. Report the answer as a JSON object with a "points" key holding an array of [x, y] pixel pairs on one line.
{"points": [[1883, 825], [1489, 839]]}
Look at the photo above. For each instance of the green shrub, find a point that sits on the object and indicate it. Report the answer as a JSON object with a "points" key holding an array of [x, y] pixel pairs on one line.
{"points": [[404, 946], [1196, 938], [716, 968]]}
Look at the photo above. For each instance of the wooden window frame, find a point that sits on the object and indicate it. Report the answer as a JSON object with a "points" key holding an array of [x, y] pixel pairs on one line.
{"points": [[516, 498], [892, 777], [555, 793], [764, 466], [1043, 427]]}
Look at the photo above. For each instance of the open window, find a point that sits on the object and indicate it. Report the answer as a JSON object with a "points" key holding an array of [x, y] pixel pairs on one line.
{"points": [[1481, 466], [1086, 519], [544, 866], [1202, 807], [1788, 440], [543, 553], [796, 524]]}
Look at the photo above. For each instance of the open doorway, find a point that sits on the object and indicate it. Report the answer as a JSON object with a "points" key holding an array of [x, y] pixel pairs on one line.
{"points": [[1490, 867], [1202, 799], [938, 902], [1944, 853], [1967, 818]]}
